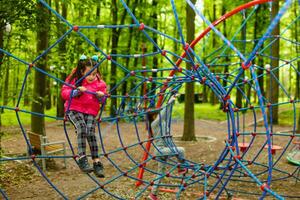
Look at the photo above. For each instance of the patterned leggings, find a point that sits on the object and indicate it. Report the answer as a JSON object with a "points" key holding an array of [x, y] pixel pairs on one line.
{"points": [[85, 129]]}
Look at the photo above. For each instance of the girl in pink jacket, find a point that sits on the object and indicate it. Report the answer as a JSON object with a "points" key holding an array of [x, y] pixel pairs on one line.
{"points": [[82, 107]]}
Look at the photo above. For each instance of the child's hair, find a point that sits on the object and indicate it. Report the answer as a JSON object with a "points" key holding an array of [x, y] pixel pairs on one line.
{"points": [[82, 64]]}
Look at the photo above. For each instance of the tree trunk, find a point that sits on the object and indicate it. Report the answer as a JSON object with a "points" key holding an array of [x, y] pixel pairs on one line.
{"points": [[38, 102], [298, 124], [274, 90], [227, 59], [16, 84], [114, 46], [189, 121], [241, 90], [155, 59], [48, 101], [26, 95], [259, 24], [6, 97], [6, 85], [113, 72], [213, 98], [204, 94], [129, 44], [297, 89], [133, 82], [205, 91], [1, 46], [214, 43], [97, 35], [296, 37], [175, 44], [62, 50], [143, 89], [1, 59]]}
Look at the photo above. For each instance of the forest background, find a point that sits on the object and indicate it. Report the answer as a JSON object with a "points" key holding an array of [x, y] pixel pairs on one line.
{"points": [[27, 29]]}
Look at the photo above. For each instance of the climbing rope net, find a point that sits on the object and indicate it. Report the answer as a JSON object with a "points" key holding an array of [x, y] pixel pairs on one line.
{"points": [[251, 155]]}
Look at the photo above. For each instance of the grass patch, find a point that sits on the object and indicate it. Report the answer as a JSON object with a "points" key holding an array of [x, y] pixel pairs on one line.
{"points": [[213, 112], [202, 111], [9, 117], [286, 118]]}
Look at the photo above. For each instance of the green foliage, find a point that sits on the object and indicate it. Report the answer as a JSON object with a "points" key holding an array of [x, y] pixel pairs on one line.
{"points": [[22, 43], [16, 10]]}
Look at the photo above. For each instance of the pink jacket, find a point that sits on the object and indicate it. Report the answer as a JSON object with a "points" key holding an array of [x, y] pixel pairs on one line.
{"points": [[85, 103]]}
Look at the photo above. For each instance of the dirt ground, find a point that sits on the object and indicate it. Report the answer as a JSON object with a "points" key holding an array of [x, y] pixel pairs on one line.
{"points": [[21, 180]]}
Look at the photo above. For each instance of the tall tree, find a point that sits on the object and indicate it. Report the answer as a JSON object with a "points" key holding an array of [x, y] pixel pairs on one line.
{"points": [[1, 59], [97, 36], [38, 102], [205, 90], [7, 69], [114, 47], [227, 59], [16, 80], [1, 46], [189, 119], [48, 102], [155, 26], [129, 44], [175, 44], [6, 85], [296, 37], [137, 40], [259, 25], [274, 86], [213, 98], [241, 90], [62, 50]]}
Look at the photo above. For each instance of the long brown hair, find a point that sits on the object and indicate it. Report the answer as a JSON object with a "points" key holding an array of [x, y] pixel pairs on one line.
{"points": [[79, 70]]}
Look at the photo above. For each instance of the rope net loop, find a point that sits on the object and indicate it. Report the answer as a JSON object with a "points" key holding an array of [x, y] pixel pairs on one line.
{"points": [[236, 65]]}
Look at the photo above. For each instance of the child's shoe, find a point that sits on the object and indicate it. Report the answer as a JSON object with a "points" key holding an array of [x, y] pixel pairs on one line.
{"points": [[98, 169], [152, 196], [84, 165]]}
